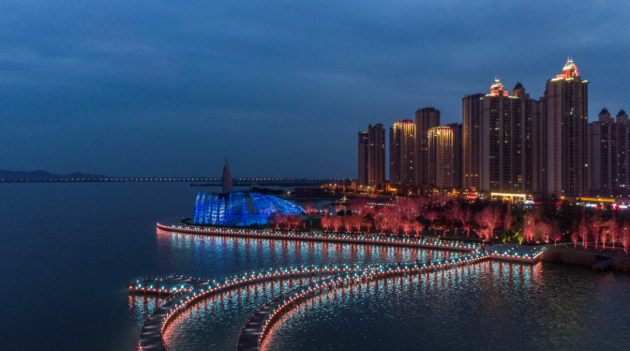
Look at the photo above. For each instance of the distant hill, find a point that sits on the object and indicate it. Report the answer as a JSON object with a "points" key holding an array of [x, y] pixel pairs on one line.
{"points": [[4, 174]]}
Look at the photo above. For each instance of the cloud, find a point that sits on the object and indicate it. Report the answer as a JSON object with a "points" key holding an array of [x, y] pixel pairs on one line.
{"points": [[285, 84]]}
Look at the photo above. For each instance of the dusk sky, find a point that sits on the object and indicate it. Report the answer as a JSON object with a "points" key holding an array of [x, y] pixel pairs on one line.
{"points": [[168, 88]]}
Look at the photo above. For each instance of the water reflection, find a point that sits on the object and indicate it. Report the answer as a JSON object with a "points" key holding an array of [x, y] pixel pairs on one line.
{"points": [[485, 305], [217, 256]]}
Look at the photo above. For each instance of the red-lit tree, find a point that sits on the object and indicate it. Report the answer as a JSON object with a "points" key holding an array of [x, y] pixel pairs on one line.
{"points": [[595, 234], [277, 219], [529, 226], [406, 226], [604, 237], [596, 224], [432, 216], [326, 222], [357, 222], [613, 231], [507, 218], [347, 223], [543, 231], [575, 237], [308, 207], [367, 223], [357, 205], [583, 231], [624, 238], [416, 227], [336, 222], [489, 218], [293, 221], [556, 233]]}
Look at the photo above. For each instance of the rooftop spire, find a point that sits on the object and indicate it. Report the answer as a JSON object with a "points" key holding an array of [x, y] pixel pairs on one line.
{"points": [[227, 178]]}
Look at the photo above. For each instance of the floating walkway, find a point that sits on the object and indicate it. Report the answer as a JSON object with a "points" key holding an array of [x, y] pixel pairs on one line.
{"points": [[175, 225], [184, 290]]}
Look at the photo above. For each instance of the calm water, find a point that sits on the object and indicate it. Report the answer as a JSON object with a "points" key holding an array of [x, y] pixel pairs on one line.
{"points": [[67, 250]]}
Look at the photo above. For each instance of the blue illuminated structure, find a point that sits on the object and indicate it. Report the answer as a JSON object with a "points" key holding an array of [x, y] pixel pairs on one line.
{"points": [[236, 211]]}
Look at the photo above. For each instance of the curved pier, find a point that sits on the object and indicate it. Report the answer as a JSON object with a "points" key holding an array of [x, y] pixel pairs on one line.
{"points": [[175, 225], [184, 289], [254, 330], [151, 334]]}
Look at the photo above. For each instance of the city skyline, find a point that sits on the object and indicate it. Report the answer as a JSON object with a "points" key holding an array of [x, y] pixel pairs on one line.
{"points": [[89, 89]]}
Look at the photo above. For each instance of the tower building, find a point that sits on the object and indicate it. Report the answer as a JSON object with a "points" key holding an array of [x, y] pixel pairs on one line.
{"points": [[402, 145], [376, 154], [362, 178], [440, 154], [426, 118], [566, 111], [471, 141]]}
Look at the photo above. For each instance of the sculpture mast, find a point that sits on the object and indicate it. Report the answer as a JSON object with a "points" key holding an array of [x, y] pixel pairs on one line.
{"points": [[227, 178]]}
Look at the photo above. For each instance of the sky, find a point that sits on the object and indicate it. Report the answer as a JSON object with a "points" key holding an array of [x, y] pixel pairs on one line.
{"points": [[169, 88]]}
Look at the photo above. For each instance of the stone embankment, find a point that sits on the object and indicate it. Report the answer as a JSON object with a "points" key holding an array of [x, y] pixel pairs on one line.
{"points": [[586, 257]]}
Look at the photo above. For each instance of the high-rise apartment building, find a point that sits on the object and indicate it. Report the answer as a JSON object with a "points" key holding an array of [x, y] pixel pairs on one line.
{"points": [[402, 144], [508, 140], [566, 100], [457, 154], [362, 178], [608, 153], [471, 141], [440, 155], [376, 154], [426, 118]]}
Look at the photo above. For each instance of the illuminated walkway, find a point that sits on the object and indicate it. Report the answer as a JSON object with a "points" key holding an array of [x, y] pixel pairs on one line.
{"points": [[185, 289]]}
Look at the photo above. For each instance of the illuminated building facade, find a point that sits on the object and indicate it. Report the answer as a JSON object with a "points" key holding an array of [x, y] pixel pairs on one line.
{"points": [[376, 154], [471, 141], [235, 211], [508, 140], [566, 110], [440, 157], [608, 153], [426, 118], [362, 178], [402, 145], [457, 172]]}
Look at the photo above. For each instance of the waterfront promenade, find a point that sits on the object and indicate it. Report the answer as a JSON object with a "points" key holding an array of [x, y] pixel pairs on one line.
{"points": [[186, 289]]}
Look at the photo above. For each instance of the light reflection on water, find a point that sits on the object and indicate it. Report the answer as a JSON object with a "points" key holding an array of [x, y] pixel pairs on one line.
{"points": [[217, 256], [485, 306], [490, 304]]}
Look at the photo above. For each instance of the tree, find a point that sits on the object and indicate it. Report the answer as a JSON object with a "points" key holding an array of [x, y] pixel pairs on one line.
{"points": [[507, 219], [613, 230], [432, 216], [293, 221], [347, 223], [335, 222], [529, 226], [595, 235], [556, 233], [367, 223], [357, 222], [406, 226], [308, 207], [326, 222], [277, 218], [596, 225], [488, 219], [625, 236], [357, 205], [464, 217], [575, 236], [417, 227], [543, 231], [583, 232]]}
